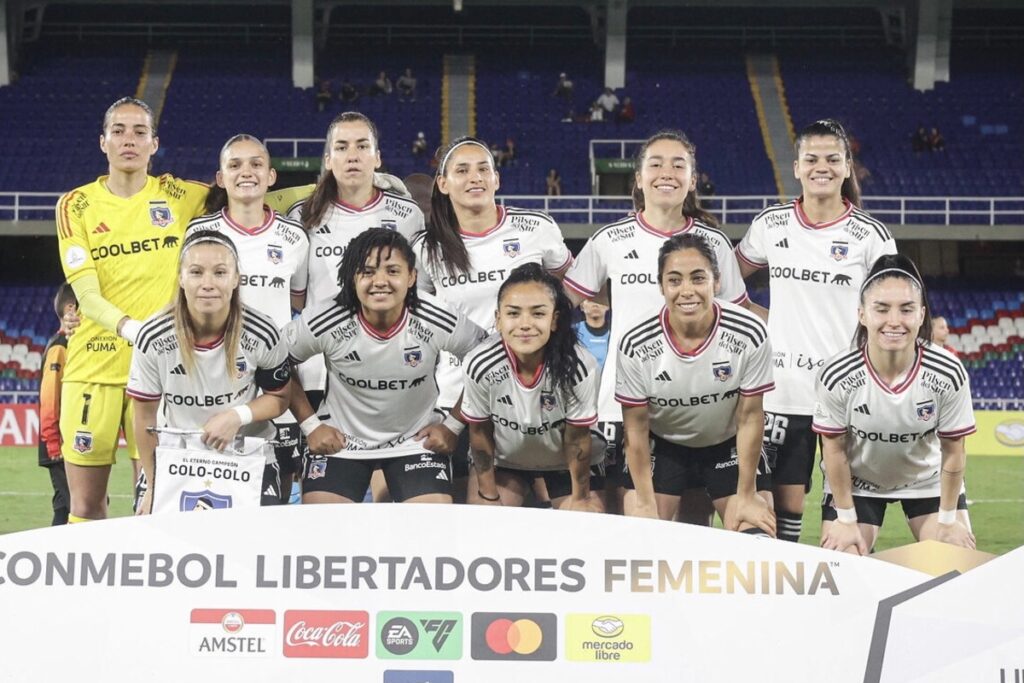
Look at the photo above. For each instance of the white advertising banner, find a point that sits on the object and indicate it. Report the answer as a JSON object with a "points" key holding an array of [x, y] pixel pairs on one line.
{"points": [[430, 593], [967, 628]]}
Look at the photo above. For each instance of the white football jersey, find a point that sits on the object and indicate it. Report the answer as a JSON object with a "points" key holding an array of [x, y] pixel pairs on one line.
{"points": [[815, 273], [341, 224], [892, 432], [520, 236], [380, 386], [528, 420], [691, 396], [272, 260], [625, 253], [192, 397]]}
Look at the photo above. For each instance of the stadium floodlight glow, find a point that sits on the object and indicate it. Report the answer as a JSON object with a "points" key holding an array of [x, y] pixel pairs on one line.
{"points": [[457, 5]]}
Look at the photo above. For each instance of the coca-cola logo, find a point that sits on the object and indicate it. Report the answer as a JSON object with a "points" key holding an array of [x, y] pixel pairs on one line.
{"points": [[326, 633]]}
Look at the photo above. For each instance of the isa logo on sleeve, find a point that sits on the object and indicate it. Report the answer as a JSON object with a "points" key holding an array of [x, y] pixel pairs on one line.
{"points": [[514, 636]]}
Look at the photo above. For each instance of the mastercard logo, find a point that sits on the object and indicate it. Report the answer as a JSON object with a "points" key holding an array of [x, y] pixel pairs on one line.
{"points": [[513, 636], [522, 636]]}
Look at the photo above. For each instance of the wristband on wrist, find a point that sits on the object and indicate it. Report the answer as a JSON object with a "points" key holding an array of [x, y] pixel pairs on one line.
{"points": [[496, 498], [846, 515], [130, 330], [947, 516], [454, 425], [244, 414], [310, 424]]}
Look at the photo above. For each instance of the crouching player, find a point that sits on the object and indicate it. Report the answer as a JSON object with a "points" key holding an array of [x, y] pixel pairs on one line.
{"points": [[531, 397], [893, 415], [206, 347], [380, 341], [690, 380]]}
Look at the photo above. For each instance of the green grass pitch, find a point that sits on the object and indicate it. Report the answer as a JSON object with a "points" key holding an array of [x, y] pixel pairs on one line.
{"points": [[995, 485]]}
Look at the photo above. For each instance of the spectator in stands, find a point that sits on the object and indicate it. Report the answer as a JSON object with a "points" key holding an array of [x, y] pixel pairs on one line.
{"points": [[596, 113], [554, 183], [114, 294], [509, 151], [382, 86], [936, 143], [609, 101], [940, 333], [406, 85], [627, 112], [705, 188], [323, 95], [348, 93], [563, 89], [919, 140], [419, 145], [594, 330], [65, 303]]}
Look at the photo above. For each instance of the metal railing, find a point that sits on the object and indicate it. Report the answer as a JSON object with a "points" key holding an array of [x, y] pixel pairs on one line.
{"points": [[597, 210]]}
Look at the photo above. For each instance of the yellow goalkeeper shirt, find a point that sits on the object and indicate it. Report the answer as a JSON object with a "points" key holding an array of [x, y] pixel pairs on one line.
{"points": [[131, 245]]}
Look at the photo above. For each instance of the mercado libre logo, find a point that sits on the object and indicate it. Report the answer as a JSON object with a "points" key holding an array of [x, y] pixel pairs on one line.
{"points": [[608, 637], [326, 634], [514, 636], [419, 635]]}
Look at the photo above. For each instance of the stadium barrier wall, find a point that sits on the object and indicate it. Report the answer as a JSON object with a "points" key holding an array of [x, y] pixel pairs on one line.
{"points": [[999, 433]]}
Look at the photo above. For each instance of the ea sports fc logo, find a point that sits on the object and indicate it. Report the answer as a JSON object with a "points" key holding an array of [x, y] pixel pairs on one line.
{"points": [[514, 636]]}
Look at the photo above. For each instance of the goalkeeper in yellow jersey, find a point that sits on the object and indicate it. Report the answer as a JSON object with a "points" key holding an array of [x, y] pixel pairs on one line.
{"points": [[119, 239]]}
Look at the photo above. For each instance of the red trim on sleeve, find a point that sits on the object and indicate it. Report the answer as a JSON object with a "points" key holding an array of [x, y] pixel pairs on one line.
{"points": [[957, 433], [565, 264], [578, 288], [763, 389], [828, 431], [473, 418], [586, 422], [142, 396], [632, 402], [741, 299], [740, 256]]}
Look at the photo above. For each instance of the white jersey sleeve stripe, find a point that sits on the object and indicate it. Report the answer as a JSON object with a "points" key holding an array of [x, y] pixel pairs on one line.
{"points": [[749, 261], [578, 288], [828, 431], [763, 389], [142, 396], [957, 433]]}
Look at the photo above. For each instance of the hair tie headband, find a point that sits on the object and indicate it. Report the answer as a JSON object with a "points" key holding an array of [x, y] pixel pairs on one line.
{"points": [[444, 159], [892, 271], [211, 238]]}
